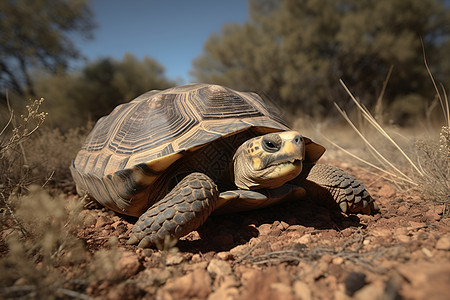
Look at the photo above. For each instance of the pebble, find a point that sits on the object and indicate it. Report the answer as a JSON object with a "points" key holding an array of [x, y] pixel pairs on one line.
{"points": [[443, 243], [282, 290], [353, 282], [89, 219], [102, 221], [305, 239], [282, 225], [426, 280], [224, 294], [239, 250], [370, 292], [265, 229], [302, 291], [200, 265], [427, 252], [196, 284], [296, 227], [338, 260], [174, 259], [219, 268], [401, 235], [196, 258], [128, 264], [224, 255]]}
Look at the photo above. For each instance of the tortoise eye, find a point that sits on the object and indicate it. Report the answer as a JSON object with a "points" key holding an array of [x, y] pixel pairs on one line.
{"points": [[270, 146]]}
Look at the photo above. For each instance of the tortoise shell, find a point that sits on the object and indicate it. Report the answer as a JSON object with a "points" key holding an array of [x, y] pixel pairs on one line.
{"points": [[128, 150]]}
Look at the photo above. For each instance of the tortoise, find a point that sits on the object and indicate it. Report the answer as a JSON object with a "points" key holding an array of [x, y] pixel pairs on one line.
{"points": [[175, 156]]}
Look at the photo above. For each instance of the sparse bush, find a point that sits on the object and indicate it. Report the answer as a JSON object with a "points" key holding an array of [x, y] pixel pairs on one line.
{"points": [[15, 173], [38, 239], [39, 255], [50, 153]]}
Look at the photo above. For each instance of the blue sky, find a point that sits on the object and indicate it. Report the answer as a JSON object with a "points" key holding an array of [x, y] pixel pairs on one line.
{"points": [[171, 31]]}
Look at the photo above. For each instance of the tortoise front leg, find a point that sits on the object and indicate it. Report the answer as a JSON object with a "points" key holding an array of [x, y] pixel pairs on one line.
{"points": [[181, 211], [337, 187]]}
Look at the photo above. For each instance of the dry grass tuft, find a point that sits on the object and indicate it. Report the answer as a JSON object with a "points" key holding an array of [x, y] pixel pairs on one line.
{"points": [[426, 168]]}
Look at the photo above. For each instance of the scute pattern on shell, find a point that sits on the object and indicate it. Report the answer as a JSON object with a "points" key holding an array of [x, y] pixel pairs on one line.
{"points": [[159, 123], [128, 150]]}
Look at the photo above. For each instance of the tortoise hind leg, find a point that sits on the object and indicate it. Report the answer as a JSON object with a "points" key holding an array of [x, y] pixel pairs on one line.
{"points": [[339, 188], [181, 211]]}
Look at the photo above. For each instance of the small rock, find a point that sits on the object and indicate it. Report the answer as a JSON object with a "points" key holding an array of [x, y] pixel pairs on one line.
{"points": [[102, 221], [200, 265], [305, 239], [282, 225], [353, 282], [416, 225], [382, 232], [327, 258], [302, 291], [282, 290], [275, 232], [403, 210], [295, 227], [443, 243], [427, 252], [224, 255], [89, 219], [174, 259], [337, 260], [128, 264], [426, 280], [370, 292], [219, 268], [265, 229], [239, 250], [401, 235], [196, 258], [196, 284], [224, 294], [152, 277], [123, 291], [229, 281]]}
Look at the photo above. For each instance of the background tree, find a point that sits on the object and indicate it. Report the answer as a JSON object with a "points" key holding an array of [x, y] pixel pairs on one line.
{"points": [[295, 51], [92, 92], [36, 34]]}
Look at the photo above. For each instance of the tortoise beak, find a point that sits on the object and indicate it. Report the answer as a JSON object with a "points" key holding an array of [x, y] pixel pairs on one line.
{"points": [[291, 149]]}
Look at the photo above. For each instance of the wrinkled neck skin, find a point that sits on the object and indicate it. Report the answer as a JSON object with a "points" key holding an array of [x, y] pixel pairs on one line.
{"points": [[258, 169]]}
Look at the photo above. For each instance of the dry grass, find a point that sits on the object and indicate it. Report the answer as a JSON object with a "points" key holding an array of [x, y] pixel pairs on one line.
{"points": [[424, 164]]}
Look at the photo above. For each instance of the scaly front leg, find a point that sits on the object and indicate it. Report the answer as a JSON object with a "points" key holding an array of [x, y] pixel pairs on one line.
{"points": [[335, 186], [181, 211]]}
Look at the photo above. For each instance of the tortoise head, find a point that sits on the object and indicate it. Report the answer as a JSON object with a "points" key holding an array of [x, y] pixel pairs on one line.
{"points": [[271, 160]]}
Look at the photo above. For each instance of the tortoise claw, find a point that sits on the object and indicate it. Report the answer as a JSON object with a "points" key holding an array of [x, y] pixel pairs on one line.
{"points": [[133, 240], [343, 205]]}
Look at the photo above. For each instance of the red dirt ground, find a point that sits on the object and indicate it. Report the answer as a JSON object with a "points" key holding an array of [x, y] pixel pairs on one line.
{"points": [[297, 250]]}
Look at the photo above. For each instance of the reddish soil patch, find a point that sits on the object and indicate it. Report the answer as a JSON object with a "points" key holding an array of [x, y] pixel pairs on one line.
{"points": [[297, 250]]}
